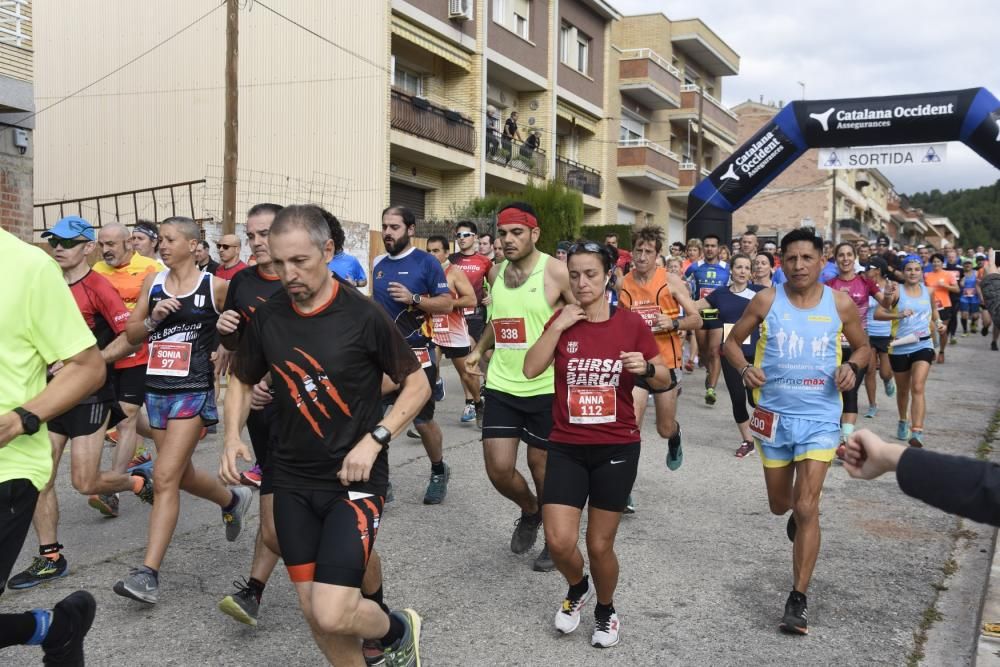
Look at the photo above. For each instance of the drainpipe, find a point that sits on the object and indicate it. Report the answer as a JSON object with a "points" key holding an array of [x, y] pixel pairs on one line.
{"points": [[485, 28], [556, 31]]}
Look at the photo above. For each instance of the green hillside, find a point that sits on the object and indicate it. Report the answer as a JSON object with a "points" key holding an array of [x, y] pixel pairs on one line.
{"points": [[976, 212]]}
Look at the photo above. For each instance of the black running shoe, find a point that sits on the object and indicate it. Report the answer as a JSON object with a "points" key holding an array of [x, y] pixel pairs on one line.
{"points": [[791, 528], [525, 532], [794, 620], [77, 611]]}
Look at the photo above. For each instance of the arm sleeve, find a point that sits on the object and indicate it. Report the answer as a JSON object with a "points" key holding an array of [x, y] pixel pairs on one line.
{"points": [[954, 484], [387, 348], [57, 329], [250, 365]]}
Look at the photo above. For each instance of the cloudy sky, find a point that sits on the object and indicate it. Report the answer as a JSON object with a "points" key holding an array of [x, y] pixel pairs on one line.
{"points": [[854, 48]]}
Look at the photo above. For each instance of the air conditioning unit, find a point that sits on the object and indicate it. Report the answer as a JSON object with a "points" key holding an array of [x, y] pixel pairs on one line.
{"points": [[460, 10]]}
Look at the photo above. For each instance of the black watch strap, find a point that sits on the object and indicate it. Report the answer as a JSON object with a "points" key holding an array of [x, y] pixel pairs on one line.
{"points": [[29, 421], [381, 435], [650, 370]]}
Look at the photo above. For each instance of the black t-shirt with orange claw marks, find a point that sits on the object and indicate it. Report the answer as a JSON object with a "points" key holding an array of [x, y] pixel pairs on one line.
{"points": [[326, 369]]}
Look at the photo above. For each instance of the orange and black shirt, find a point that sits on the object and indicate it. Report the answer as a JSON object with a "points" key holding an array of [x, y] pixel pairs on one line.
{"points": [[326, 369], [247, 291]]}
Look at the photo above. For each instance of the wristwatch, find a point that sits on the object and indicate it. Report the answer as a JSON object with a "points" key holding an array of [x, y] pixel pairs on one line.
{"points": [[415, 299], [29, 421], [650, 370], [381, 435]]}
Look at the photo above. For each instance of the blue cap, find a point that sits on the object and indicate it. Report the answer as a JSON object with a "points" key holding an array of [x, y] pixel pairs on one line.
{"points": [[70, 227]]}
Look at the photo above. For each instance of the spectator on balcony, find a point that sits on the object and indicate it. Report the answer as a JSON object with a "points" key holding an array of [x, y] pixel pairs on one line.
{"points": [[530, 145], [511, 134], [492, 130]]}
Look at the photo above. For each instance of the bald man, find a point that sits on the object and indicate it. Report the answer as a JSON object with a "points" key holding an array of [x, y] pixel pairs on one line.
{"points": [[229, 257]]}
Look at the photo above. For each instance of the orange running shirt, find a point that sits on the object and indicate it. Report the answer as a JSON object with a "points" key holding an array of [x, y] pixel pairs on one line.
{"points": [[648, 300], [938, 281], [127, 280]]}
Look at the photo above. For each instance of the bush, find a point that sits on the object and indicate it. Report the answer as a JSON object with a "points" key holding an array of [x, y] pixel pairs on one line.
{"points": [[598, 232]]}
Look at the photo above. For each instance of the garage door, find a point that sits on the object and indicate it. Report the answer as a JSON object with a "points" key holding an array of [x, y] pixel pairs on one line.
{"points": [[676, 231], [412, 198], [626, 216]]}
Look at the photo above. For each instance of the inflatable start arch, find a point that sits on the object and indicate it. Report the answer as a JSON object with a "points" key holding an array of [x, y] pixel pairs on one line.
{"points": [[971, 116]]}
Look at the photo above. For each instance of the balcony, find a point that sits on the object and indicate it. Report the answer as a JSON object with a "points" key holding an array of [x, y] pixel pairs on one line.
{"points": [[648, 165], [417, 116], [579, 177], [703, 46], [649, 79], [515, 155], [689, 174], [717, 118]]}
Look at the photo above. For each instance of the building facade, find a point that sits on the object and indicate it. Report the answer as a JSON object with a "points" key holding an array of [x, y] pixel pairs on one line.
{"points": [[17, 106]]}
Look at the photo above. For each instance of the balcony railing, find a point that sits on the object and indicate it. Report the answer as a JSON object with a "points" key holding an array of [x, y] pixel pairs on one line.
{"points": [[417, 116], [515, 154], [579, 177], [850, 224], [646, 67], [713, 111]]}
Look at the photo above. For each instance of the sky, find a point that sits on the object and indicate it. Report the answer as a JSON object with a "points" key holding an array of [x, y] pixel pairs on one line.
{"points": [[853, 48]]}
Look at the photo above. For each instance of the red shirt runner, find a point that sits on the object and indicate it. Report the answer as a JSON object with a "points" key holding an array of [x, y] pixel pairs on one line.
{"points": [[476, 267], [227, 274]]}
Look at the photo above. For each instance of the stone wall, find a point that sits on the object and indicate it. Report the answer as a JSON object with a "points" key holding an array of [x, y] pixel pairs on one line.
{"points": [[16, 183]]}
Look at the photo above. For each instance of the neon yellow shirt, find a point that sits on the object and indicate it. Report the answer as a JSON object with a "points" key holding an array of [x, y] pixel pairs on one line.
{"points": [[42, 325]]}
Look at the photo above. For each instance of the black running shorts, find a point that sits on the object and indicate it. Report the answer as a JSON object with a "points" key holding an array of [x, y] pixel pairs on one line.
{"points": [[82, 420], [455, 352], [264, 427], [603, 473], [527, 418], [641, 383], [324, 535], [902, 363], [130, 384], [880, 343]]}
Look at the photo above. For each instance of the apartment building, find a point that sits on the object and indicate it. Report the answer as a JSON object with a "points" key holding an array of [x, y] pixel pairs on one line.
{"points": [[17, 104], [846, 204]]}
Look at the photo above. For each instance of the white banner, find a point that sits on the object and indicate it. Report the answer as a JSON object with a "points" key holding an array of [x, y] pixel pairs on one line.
{"points": [[869, 157]]}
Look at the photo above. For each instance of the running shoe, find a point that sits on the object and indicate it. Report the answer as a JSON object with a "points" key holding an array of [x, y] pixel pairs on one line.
{"points": [[985, 330], [233, 519], [42, 569], [112, 436], [251, 477], [372, 651], [710, 397], [141, 465], [412, 433], [405, 652], [568, 616], [629, 505], [605, 631], [890, 387], [954, 341], [106, 505], [916, 439], [975, 327], [480, 408], [993, 346], [902, 430], [689, 366], [543, 561], [940, 357], [241, 605], [794, 620], [791, 528], [77, 609], [438, 393], [145, 494], [872, 411], [675, 453], [468, 413], [437, 488], [140, 459], [525, 532], [140, 584], [745, 449]]}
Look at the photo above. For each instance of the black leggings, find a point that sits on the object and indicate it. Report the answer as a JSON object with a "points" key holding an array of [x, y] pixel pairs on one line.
{"points": [[739, 395], [851, 396]]}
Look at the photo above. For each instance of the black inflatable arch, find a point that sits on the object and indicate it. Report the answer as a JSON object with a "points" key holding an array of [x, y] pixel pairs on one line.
{"points": [[971, 116]]}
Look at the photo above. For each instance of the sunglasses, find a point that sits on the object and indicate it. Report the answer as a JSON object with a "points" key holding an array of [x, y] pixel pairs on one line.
{"points": [[463, 235], [223, 246], [589, 246], [65, 244]]}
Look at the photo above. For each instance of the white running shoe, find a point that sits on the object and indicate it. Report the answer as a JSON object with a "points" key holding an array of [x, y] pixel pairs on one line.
{"points": [[568, 616], [606, 631]]}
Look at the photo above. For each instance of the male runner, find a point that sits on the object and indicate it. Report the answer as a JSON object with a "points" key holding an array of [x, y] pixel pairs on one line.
{"points": [[748, 245], [658, 296], [327, 348], [797, 375], [486, 246], [48, 329], [476, 268], [203, 257], [410, 285], [248, 290], [229, 257], [83, 426], [706, 275], [526, 287]]}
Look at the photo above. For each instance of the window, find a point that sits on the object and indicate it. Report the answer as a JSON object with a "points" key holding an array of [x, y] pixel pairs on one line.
{"points": [[574, 48], [407, 81], [513, 15], [631, 131]]}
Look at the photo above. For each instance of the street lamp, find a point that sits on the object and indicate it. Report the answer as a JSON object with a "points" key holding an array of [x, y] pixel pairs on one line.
{"points": [[802, 83]]}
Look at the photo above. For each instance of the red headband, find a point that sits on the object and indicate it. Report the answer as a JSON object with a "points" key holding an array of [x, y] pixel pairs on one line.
{"points": [[515, 216]]}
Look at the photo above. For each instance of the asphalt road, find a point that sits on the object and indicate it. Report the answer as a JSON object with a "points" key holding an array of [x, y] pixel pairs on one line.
{"points": [[705, 567]]}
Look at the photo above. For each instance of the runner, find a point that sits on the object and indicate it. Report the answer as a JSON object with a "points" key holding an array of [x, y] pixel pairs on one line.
{"points": [[796, 423], [971, 297], [731, 301], [526, 287], [179, 395], [47, 330], [83, 426], [203, 257], [146, 239], [763, 269], [911, 351], [657, 297], [953, 264], [748, 245], [476, 268], [707, 275], [247, 291], [229, 257], [410, 285], [344, 265], [944, 283], [879, 335], [327, 347], [859, 288], [486, 246], [598, 353]]}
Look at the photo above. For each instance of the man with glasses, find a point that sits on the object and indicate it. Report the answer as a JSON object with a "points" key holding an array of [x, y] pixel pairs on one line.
{"points": [[229, 253], [475, 267]]}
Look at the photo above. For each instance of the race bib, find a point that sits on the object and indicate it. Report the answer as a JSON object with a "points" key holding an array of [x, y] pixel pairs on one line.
{"points": [[169, 358], [763, 424], [423, 356], [648, 315], [468, 311], [510, 333], [592, 405], [705, 291], [440, 323], [727, 329], [969, 291]]}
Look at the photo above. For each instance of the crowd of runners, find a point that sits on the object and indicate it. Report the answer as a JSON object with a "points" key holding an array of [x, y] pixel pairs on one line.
{"points": [[562, 353]]}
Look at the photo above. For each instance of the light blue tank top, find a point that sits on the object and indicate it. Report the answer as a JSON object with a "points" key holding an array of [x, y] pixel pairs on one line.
{"points": [[919, 323], [877, 328], [799, 351]]}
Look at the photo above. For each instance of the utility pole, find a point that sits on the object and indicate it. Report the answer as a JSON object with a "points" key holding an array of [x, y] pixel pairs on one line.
{"points": [[231, 150], [701, 133], [833, 207]]}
